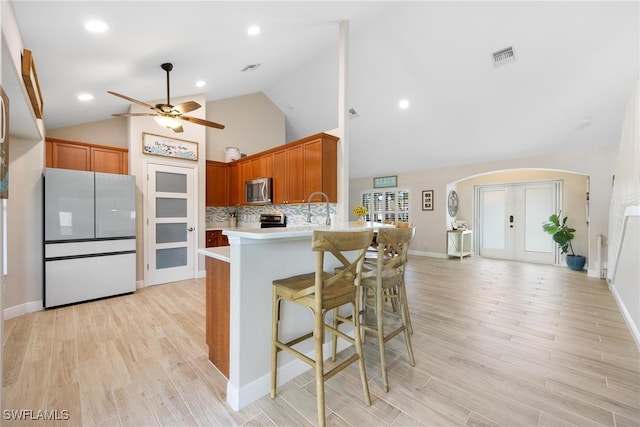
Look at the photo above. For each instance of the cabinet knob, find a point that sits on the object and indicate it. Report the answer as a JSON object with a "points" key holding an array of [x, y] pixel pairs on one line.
{"points": [[190, 229]]}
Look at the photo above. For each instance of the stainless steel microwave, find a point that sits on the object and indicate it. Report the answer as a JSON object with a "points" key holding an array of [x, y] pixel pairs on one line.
{"points": [[258, 191]]}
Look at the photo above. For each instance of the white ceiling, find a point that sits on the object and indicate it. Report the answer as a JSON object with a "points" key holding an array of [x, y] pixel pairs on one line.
{"points": [[575, 61]]}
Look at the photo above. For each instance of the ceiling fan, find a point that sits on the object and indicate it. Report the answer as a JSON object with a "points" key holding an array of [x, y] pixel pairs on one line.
{"points": [[168, 115]]}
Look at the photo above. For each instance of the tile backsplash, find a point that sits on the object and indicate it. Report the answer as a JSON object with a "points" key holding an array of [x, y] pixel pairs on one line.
{"points": [[296, 213]]}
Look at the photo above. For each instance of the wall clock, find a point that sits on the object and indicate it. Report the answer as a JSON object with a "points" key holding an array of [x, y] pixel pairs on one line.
{"points": [[452, 203]]}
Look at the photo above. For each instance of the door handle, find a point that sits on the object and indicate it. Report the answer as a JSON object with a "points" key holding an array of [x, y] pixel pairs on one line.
{"points": [[190, 228], [510, 221]]}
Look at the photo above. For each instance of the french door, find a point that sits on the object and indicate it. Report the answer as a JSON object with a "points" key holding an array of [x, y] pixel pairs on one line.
{"points": [[510, 221], [170, 224]]}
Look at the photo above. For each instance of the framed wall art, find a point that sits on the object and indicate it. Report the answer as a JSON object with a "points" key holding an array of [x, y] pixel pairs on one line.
{"points": [[427, 200], [385, 181], [30, 78], [169, 147]]}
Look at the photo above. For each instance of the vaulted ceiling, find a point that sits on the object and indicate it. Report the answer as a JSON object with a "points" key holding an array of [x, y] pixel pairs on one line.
{"points": [[575, 66]]}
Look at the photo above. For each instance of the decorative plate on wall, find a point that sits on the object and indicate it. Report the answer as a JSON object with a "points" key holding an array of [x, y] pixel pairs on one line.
{"points": [[452, 203]]}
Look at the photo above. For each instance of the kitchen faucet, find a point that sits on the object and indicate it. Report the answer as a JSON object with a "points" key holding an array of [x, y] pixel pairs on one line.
{"points": [[326, 198]]}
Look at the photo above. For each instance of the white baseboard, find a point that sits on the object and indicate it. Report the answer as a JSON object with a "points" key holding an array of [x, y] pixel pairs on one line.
{"points": [[239, 398], [633, 328], [19, 310], [428, 254]]}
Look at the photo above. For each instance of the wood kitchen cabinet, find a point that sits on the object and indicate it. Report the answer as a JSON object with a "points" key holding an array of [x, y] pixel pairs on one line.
{"points": [[262, 167], [295, 175], [217, 187], [217, 312], [298, 169], [245, 175], [215, 238], [280, 193], [235, 189], [304, 167], [83, 156]]}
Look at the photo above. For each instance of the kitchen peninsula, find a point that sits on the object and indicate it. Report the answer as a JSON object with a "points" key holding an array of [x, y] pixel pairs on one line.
{"points": [[239, 290]]}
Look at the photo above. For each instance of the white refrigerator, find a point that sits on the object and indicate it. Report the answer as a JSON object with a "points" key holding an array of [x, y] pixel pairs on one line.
{"points": [[90, 236]]}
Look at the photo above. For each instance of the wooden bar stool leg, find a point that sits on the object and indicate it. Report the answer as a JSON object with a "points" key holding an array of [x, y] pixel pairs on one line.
{"points": [[318, 332], [380, 326], [334, 337], [358, 340], [406, 322], [405, 306], [275, 314]]}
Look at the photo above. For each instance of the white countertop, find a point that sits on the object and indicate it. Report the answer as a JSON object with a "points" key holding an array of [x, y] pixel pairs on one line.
{"points": [[221, 253], [297, 231]]}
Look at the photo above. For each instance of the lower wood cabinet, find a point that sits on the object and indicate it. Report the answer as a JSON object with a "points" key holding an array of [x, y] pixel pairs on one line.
{"points": [[217, 315], [215, 238]]}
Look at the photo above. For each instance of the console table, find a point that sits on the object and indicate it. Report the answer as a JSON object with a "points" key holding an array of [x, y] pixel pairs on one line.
{"points": [[459, 243]]}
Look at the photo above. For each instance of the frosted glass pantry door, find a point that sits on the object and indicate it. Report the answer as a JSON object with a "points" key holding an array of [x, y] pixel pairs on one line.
{"points": [[170, 224]]}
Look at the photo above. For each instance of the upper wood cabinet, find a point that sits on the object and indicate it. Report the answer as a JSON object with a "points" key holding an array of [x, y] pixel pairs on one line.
{"points": [[280, 193], [298, 169], [75, 155], [235, 189], [310, 165], [321, 167], [217, 184], [295, 174]]}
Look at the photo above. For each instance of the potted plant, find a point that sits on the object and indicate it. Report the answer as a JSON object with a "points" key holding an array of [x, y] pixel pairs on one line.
{"points": [[562, 234]]}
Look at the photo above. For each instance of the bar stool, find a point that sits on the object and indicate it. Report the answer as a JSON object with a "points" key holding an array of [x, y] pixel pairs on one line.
{"points": [[322, 292], [384, 278]]}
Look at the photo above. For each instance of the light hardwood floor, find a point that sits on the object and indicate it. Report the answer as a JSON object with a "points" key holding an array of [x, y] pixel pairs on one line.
{"points": [[496, 343]]}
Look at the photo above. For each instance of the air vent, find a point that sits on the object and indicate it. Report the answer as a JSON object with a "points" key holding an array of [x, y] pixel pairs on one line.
{"points": [[251, 67], [503, 56]]}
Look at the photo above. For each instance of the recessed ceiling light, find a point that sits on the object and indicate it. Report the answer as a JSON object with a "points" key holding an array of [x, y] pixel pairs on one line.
{"points": [[85, 97], [403, 104], [96, 26], [201, 83], [253, 30]]}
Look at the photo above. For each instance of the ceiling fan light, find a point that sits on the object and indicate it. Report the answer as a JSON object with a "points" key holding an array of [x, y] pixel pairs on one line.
{"points": [[168, 122]]}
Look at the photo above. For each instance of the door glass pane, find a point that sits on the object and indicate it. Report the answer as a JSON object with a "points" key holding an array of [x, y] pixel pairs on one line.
{"points": [[172, 257], [171, 208], [171, 182], [390, 199], [494, 216], [538, 204], [171, 233]]}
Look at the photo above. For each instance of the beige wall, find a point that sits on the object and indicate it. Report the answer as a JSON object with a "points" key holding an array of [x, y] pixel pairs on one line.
{"points": [[252, 124], [111, 132], [25, 225], [430, 237]]}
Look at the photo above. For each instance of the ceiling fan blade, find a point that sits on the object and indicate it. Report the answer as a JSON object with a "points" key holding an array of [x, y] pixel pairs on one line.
{"points": [[135, 101], [201, 122], [134, 114], [185, 107]]}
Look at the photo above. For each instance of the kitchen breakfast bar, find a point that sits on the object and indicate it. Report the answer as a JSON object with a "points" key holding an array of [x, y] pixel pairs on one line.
{"points": [[239, 296]]}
